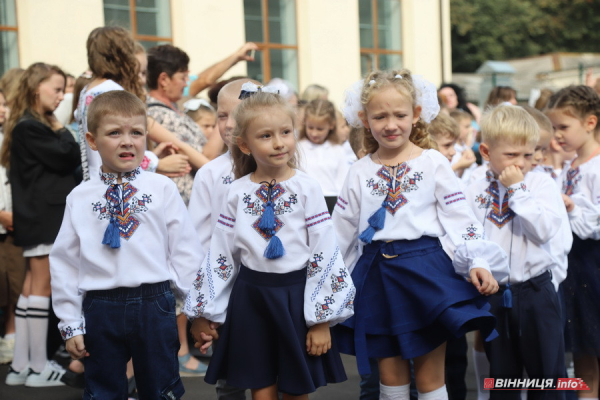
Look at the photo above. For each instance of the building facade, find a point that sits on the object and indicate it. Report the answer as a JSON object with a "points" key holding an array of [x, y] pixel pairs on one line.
{"points": [[329, 42]]}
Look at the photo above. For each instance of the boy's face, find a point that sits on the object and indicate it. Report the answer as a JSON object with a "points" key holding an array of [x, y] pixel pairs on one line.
{"points": [[505, 153], [226, 103], [465, 129], [121, 142], [542, 148], [445, 144]]}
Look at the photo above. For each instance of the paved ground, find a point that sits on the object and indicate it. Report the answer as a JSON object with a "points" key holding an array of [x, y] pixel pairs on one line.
{"points": [[197, 389]]}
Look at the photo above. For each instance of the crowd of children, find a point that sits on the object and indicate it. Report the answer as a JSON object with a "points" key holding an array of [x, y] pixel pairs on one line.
{"points": [[291, 246]]}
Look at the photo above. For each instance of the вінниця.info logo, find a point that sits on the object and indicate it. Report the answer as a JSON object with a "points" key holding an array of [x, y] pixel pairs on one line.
{"points": [[534, 384]]}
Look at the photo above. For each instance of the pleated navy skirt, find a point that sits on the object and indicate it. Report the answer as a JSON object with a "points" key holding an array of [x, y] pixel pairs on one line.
{"points": [[263, 339], [582, 298], [408, 302]]}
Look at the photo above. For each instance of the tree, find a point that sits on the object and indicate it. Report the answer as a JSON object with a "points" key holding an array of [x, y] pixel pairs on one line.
{"points": [[498, 30]]}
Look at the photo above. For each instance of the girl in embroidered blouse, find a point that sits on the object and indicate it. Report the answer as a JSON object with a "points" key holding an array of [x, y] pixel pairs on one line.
{"points": [[273, 275], [395, 204], [574, 112]]}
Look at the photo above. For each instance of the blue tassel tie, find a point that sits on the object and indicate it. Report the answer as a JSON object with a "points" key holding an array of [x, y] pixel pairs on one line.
{"points": [[507, 297], [112, 236], [267, 224], [376, 223], [274, 249], [267, 221]]}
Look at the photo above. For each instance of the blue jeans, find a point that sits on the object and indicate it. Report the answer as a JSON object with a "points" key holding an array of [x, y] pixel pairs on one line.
{"points": [[137, 323]]}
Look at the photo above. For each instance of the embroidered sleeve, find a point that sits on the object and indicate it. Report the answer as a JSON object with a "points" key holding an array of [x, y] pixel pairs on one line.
{"points": [[64, 270], [585, 217], [346, 216], [329, 291], [211, 288], [150, 162], [465, 236], [537, 209], [200, 207]]}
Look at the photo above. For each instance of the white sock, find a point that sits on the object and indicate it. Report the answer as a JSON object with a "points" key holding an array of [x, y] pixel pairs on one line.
{"points": [[437, 394], [394, 392], [37, 322], [21, 355], [481, 365]]}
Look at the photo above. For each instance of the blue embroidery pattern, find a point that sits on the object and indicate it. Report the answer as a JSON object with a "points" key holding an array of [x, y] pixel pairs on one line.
{"points": [[338, 283], [499, 216], [223, 271], [227, 180], [281, 206], [313, 266], [573, 179], [392, 188], [322, 309], [198, 281], [325, 274], [511, 191], [471, 233]]}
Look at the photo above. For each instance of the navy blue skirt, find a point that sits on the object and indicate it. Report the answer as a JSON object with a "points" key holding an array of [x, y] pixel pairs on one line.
{"points": [[409, 303], [582, 298], [263, 339]]}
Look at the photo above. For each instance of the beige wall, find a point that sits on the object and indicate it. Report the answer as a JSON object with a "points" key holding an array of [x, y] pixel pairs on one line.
{"points": [[55, 31]]}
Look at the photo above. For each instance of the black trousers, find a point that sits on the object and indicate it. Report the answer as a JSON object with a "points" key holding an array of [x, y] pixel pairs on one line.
{"points": [[531, 337]]}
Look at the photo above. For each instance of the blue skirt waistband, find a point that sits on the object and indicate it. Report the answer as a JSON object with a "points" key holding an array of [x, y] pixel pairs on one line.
{"points": [[271, 279], [145, 290], [399, 247]]}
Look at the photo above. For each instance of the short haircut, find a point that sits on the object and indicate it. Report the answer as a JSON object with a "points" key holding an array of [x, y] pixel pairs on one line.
{"points": [[165, 58], [511, 123], [114, 102], [443, 124], [460, 114], [540, 118]]}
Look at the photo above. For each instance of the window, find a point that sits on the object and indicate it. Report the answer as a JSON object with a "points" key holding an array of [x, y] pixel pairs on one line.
{"points": [[380, 34], [271, 24], [9, 51], [148, 20]]}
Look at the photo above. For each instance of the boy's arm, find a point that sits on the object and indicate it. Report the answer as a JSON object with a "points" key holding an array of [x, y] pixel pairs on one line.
{"points": [[64, 274]]}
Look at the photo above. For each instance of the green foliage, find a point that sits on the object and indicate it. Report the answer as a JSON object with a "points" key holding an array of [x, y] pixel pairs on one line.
{"points": [[503, 29]]}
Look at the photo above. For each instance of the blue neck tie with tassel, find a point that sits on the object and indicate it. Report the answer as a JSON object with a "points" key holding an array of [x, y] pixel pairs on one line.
{"points": [[267, 224], [112, 235]]}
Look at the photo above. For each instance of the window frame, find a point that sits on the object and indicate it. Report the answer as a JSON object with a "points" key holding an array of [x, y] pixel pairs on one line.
{"points": [[146, 38], [375, 50], [265, 46], [9, 28]]}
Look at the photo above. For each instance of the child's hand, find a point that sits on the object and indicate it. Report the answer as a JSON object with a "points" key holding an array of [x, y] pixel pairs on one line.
{"points": [[76, 347], [483, 281], [54, 122], [318, 339], [569, 204], [164, 149], [6, 220], [467, 158], [174, 165], [511, 175], [204, 332]]}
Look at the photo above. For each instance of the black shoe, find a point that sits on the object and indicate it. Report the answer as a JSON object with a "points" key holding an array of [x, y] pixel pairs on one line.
{"points": [[73, 379]]}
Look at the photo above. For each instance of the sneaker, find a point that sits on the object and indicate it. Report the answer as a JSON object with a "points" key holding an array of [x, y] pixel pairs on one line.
{"points": [[14, 378], [7, 349], [188, 372], [50, 376]]}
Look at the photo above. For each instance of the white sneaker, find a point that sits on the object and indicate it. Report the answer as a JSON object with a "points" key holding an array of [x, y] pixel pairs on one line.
{"points": [[14, 378], [50, 376], [7, 349]]}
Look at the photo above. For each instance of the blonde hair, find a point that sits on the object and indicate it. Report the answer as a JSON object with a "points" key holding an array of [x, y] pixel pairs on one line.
{"points": [[443, 124], [404, 85], [245, 113], [579, 101], [314, 92], [114, 102], [24, 100], [9, 83], [459, 115], [500, 94], [111, 55], [540, 118], [511, 123], [322, 110]]}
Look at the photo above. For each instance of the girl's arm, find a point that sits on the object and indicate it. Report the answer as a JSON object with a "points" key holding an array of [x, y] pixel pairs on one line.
{"points": [[211, 288], [159, 134], [464, 231], [346, 216], [57, 151], [213, 147], [329, 292], [64, 271], [585, 215]]}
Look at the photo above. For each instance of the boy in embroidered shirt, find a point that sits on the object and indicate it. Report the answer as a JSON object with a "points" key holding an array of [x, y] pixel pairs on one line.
{"points": [[445, 133], [520, 211], [123, 238]]}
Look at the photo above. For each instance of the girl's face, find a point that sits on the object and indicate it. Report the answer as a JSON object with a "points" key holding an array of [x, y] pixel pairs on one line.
{"points": [[143, 60], [207, 123], [271, 141], [390, 117], [570, 132], [49, 94], [450, 97], [343, 129], [3, 109], [317, 129], [466, 129]]}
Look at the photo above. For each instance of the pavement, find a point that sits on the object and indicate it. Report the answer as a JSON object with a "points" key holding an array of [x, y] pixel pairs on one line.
{"points": [[197, 389]]}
